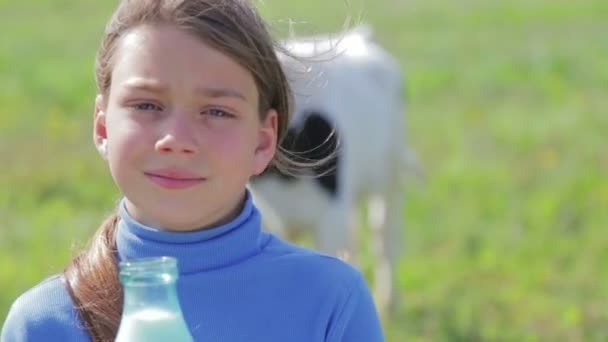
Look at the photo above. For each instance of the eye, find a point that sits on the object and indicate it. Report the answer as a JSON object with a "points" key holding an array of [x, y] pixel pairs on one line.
{"points": [[146, 106], [216, 112]]}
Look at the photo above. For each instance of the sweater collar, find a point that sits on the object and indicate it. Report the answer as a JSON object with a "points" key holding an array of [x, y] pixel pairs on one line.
{"points": [[195, 251]]}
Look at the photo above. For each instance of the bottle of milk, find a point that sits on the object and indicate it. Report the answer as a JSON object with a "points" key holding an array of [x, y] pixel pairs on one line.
{"points": [[151, 310]]}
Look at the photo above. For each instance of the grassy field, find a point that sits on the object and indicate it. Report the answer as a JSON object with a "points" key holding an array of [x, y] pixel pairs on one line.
{"points": [[507, 238]]}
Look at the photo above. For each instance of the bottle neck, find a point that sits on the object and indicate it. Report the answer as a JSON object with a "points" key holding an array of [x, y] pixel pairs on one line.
{"points": [[162, 296], [150, 284]]}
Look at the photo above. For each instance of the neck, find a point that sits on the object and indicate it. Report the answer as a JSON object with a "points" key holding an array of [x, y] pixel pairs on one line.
{"points": [[195, 251], [218, 218]]}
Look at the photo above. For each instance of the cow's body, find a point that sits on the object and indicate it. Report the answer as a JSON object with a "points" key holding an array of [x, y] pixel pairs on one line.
{"points": [[357, 87]]}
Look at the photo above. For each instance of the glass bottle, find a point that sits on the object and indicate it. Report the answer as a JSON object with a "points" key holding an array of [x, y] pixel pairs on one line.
{"points": [[151, 310]]}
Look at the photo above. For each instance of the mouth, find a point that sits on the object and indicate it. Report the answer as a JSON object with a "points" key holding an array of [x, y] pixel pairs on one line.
{"points": [[174, 179]]}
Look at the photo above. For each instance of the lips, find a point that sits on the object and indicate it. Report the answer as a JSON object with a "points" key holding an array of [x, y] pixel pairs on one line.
{"points": [[174, 178]]}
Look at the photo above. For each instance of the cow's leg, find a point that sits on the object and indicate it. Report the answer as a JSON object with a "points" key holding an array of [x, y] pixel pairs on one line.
{"points": [[271, 221], [333, 233], [376, 213], [385, 221], [393, 242]]}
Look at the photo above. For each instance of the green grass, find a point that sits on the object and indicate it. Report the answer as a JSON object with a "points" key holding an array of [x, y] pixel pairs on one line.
{"points": [[506, 239]]}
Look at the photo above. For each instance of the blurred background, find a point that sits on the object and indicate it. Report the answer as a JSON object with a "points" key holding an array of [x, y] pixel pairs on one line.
{"points": [[506, 239]]}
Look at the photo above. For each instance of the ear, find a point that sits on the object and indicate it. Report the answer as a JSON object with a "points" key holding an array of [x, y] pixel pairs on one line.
{"points": [[100, 136], [267, 142]]}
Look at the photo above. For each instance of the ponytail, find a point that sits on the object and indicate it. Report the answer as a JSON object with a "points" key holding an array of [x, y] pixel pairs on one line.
{"points": [[92, 281]]}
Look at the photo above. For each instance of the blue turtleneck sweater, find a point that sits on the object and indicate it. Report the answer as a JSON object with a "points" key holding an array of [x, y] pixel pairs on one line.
{"points": [[237, 283]]}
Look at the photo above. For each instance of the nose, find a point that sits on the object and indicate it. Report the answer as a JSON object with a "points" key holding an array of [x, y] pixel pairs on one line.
{"points": [[177, 137]]}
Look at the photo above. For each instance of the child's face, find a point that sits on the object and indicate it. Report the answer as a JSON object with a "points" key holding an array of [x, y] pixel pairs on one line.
{"points": [[183, 130]]}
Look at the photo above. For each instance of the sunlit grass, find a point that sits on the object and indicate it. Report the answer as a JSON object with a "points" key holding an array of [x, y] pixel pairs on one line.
{"points": [[505, 240]]}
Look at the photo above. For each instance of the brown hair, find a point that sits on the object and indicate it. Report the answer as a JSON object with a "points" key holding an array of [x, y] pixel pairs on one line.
{"points": [[233, 27]]}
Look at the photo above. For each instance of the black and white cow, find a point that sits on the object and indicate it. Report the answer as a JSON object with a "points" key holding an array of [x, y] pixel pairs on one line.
{"points": [[349, 94]]}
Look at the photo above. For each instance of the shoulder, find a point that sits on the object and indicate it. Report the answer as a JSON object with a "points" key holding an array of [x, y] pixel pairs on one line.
{"points": [[39, 301], [315, 268], [336, 289], [44, 312]]}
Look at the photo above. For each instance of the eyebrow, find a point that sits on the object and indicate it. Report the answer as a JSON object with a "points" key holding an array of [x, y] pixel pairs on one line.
{"points": [[221, 92], [157, 87]]}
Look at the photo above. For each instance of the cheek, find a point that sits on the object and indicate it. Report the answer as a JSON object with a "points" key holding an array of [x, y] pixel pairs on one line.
{"points": [[123, 132], [235, 141], [126, 144], [126, 156]]}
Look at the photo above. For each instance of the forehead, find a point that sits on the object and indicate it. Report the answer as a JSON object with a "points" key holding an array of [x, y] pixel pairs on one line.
{"points": [[178, 58]]}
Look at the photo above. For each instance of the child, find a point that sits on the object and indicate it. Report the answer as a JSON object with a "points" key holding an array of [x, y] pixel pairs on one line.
{"points": [[192, 102]]}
